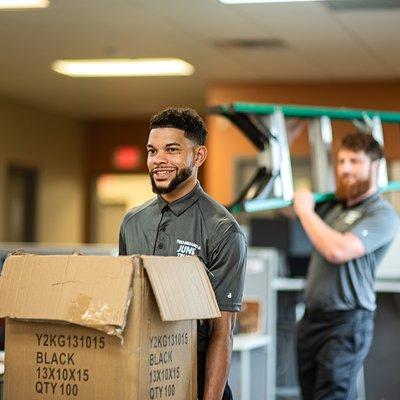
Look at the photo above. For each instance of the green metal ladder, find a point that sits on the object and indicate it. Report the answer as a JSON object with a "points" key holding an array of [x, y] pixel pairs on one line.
{"points": [[265, 127]]}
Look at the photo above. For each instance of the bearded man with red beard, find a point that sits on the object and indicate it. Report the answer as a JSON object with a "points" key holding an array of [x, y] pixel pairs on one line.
{"points": [[350, 237]]}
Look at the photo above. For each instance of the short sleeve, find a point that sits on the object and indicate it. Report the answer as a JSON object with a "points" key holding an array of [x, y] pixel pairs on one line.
{"points": [[377, 228], [227, 270]]}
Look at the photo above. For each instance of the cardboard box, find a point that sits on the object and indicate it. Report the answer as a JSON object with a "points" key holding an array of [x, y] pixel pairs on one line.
{"points": [[103, 328]]}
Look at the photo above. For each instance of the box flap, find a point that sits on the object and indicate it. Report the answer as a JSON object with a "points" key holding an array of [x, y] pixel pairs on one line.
{"points": [[181, 287], [91, 291]]}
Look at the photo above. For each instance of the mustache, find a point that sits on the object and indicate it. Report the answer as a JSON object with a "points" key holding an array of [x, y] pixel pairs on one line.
{"points": [[345, 175]]}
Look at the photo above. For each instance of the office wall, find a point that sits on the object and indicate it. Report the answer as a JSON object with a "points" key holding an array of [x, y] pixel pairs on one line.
{"points": [[104, 136], [54, 146], [226, 144]]}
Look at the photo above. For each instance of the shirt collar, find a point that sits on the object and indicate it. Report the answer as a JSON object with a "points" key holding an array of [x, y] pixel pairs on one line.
{"points": [[182, 204], [372, 197]]}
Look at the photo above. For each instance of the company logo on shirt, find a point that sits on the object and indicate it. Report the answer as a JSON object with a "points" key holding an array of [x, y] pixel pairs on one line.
{"points": [[351, 217], [186, 248]]}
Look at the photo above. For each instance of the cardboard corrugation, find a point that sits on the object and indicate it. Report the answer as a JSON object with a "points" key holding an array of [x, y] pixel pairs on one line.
{"points": [[48, 357], [180, 287]]}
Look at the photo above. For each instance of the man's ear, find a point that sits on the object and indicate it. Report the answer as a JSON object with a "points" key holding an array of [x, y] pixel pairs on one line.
{"points": [[200, 154], [375, 166]]}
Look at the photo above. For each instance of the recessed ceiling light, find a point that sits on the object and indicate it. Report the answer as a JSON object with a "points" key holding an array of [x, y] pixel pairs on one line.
{"points": [[17, 4], [262, 1], [123, 67]]}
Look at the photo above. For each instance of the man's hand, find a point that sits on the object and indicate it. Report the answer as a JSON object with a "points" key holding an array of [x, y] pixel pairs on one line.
{"points": [[303, 202], [219, 355]]}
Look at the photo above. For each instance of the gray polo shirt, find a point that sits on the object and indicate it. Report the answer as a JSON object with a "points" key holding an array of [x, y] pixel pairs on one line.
{"points": [[350, 285], [194, 225]]}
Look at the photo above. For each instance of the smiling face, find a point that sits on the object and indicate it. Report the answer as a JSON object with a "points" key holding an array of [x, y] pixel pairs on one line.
{"points": [[173, 161], [355, 173]]}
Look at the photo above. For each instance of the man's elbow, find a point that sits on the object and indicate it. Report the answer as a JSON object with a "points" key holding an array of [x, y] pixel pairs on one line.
{"points": [[225, 335], [340, 256], [335, 256], [230, 338]]}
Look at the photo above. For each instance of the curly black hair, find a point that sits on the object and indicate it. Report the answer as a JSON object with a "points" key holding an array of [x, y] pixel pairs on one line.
{"points": [[365, 142], [185, 119]]}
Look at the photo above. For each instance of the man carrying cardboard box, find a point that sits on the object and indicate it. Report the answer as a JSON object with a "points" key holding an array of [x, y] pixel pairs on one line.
{"points": [[184, 221]]}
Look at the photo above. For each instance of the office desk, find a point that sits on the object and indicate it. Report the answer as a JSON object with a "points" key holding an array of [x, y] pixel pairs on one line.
{"points": [[386, 320], [297, 284], [244, 343]]}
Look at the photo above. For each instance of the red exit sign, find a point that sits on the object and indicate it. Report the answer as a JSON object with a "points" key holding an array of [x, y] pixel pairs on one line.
{"points": [[126, 158]]}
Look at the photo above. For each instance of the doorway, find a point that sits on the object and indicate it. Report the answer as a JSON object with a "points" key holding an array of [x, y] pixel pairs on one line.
{"points": [[21, 204], [116, 194]]}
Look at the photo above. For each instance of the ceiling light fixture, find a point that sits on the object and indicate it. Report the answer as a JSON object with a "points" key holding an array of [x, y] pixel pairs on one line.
{"points": [[23, 4], [263, 1], [123, 67]]}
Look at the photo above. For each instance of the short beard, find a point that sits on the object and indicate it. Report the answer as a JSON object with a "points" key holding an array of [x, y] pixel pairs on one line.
{"points": [[353, 191], [180, 177]]}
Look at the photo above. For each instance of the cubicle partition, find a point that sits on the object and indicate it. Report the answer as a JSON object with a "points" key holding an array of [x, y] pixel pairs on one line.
{"points": [[252, 373]]}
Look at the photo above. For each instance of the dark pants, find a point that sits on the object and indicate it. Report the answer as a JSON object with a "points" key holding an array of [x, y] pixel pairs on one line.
{"points": [[331, 348], [201, 374]]}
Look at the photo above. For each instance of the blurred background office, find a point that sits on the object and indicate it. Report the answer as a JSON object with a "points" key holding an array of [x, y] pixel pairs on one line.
{"points": [[72, 148], [72, 136]]}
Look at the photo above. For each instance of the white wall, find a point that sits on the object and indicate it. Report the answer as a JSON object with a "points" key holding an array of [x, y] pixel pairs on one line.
{"points": [[54, 145]]}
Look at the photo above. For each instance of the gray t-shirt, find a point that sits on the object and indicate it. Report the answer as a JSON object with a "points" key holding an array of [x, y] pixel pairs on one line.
{"points": [[194, 225], [350, 286]]}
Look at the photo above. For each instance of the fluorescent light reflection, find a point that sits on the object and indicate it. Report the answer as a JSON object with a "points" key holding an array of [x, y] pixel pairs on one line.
{"points": [[123, 67], [21, 4], [263, 1]]}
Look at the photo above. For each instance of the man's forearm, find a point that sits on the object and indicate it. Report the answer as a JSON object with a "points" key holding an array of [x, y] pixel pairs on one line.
{"points": [[218, 362], [335, 246]]}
